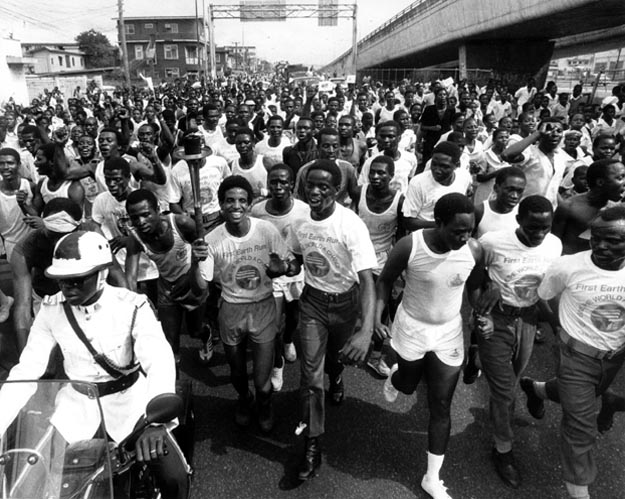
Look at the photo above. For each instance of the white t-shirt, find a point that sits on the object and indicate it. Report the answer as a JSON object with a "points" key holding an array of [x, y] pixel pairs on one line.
{"points": [[211, 175], [272, 155], [334, 250], [405, 168], [542, 177], [238, 263], [592, 300], [515, 268], [424, 191], [225, 150]]}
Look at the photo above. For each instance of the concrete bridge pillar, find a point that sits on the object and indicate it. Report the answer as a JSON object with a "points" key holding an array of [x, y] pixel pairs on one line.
{"points": [[511, 60]]}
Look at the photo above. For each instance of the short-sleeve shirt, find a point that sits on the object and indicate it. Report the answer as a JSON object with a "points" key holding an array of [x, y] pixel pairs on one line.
{"points": [[238, 263], [592, 300], [543, 178], [211, 174], [517, 269], [334, 250], [424, 191]]}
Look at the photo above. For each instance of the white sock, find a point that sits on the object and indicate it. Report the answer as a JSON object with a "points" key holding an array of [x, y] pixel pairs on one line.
{"points": [[577, 491], [435, 463]]}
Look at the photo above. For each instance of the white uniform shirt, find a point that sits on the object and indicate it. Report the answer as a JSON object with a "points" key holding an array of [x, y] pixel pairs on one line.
{"points": [[106, 324]]}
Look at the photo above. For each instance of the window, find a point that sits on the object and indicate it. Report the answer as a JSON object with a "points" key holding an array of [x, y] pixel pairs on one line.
{"points": [[130, 29], [60, 60], [172, 72], [190, 55], [171, 52], [148, 26], [73, 62], [171, 27], [52, 61], [138, 51], [67, 61]]}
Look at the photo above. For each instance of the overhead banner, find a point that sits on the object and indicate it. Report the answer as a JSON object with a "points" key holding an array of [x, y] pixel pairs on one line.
{"points": [[259, 10], [328, 12]]}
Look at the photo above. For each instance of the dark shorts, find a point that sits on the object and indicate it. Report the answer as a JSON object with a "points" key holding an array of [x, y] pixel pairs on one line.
{"points": [[254, 320]]}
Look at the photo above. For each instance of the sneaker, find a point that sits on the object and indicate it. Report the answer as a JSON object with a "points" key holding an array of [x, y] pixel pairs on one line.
{"points": [[434, 488], [471, 371], [535, 405], [265, 415], [290, 354], [243, 411], [276, 378], [379, 367], [5, 308], [390, 392], [205, 353]]}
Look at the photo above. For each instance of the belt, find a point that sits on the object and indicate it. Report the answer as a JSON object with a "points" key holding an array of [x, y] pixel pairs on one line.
{"points": [[109, 387], [589, 350], [512, 310], [332, 297]]}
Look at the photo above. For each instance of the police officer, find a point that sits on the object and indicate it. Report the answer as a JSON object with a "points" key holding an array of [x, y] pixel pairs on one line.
{"points": [[89, 317]]}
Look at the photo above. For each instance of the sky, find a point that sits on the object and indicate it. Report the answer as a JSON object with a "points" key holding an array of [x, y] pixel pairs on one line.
{"points": [[295, 40]]}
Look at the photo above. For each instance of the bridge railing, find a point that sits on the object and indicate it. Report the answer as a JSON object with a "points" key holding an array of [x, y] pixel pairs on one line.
{"points": [[396, 75], [398, 19]]}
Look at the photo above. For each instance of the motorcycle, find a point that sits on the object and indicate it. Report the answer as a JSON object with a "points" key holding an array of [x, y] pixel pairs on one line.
{"points": [[42, 458]]}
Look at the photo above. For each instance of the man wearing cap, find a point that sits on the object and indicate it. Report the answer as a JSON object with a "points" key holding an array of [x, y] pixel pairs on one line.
{"points": [[135, 363]]}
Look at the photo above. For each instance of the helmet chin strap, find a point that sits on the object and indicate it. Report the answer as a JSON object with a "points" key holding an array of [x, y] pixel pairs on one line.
{"points": [[101, 281]]}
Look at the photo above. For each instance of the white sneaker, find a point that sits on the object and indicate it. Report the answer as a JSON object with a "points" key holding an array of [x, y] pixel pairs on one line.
{"points": [[205, 354], [276, 378], [290, 354], [435, 488], [390, 392]]}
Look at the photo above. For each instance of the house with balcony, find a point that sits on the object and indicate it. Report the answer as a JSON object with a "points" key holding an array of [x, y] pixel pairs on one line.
{"points": [[165, 47]]}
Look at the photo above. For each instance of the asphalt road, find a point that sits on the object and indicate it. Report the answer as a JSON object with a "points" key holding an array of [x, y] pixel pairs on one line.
{"points": [[373, 449]]}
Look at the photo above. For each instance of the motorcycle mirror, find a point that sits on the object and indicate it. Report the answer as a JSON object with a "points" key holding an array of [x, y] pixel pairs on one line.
{"points": [[163, 408]]}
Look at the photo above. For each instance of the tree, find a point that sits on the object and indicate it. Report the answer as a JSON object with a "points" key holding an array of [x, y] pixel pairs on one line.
{"points": [[98, 50]]}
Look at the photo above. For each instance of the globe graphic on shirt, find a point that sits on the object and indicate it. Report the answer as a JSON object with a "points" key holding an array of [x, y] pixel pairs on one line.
{"points": [[247, 277], [526, 286], [608, 317], [317, 264]]}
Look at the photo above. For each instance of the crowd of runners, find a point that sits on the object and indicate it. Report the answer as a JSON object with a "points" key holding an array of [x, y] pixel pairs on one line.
{"points": [[345, 227]]}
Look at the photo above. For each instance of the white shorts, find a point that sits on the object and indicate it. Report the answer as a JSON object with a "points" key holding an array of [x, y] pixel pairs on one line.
{"points": [[412, 338], [289, 287]]}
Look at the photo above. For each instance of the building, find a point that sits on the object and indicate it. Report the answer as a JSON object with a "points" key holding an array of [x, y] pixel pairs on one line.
{"points": [[55, 58], [165, 47], [13, 72]]}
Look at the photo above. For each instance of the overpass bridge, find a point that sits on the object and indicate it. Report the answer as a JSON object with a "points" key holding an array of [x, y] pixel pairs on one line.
{"points": [[514, 38]]}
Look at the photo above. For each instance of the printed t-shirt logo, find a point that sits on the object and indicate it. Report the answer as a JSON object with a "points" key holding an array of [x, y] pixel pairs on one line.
{"points": [[317, 264], [247, 277], [526, 287], [455, 281], [608, 317]]}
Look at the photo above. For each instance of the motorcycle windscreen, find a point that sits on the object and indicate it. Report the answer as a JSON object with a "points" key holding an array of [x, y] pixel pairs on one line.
{"points": [[56, 445]]}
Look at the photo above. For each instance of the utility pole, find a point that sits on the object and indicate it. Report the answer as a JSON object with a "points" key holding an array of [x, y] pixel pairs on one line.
{"points": [[122, 40], [211, 36], [355, 39], [205, 51]]}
